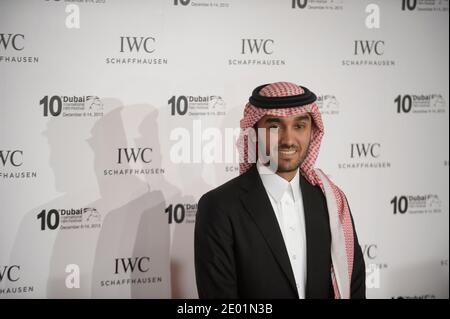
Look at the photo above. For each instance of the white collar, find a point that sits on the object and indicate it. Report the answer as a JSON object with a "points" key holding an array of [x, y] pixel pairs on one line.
{"points": [[277, 185]]}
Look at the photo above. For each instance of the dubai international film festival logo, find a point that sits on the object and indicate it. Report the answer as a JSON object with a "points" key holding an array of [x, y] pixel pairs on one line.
{"points": [[202, 4], [13, 48], [328, 104], [82, 106], [69, 219], [11, 165], [321, 5], [424, 5], [420, 103], [416, 204], [179, 213], [197, 105]]}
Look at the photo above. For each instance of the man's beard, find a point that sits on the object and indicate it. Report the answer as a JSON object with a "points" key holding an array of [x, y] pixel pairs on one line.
{"points": [[289, 167]]}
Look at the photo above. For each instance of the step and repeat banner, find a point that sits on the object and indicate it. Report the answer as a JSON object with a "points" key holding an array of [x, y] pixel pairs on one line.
{"points": [[116, 116]]}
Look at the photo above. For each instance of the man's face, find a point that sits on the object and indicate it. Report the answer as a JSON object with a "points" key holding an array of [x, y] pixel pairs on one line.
{"points": [[293, 134]]}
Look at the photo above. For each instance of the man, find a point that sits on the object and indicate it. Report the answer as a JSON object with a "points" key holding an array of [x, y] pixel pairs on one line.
{"points": [[281, 229]]}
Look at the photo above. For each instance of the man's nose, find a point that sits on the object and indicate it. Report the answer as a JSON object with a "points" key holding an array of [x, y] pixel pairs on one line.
{"points": [[286, 136]]}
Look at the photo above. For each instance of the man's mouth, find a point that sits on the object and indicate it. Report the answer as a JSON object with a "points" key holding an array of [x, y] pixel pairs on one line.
{"points": [[287, 153]]}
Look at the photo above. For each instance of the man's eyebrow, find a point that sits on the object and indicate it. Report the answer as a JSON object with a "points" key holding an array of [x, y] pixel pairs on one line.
{"points": [[302, 118], [278, 120], [272, 120]]}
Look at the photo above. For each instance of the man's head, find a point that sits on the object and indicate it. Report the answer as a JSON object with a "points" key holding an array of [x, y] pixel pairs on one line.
{"points": [[292, 135], [290, 111]]}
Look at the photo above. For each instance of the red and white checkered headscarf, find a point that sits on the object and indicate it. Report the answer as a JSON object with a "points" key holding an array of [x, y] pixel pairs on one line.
{"points": [[342, 240]]}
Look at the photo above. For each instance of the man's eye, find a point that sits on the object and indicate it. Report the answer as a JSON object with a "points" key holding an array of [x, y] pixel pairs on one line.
{"points": [[300, 126], [273, 126]]}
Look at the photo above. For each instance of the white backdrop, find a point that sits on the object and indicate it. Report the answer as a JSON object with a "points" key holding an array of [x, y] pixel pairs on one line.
{"points": [[95, 97]]}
